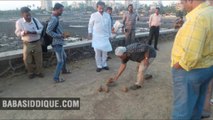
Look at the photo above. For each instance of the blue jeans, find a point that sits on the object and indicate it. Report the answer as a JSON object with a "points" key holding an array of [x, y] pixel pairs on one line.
{"points": [[189, 89], [61, 60]]}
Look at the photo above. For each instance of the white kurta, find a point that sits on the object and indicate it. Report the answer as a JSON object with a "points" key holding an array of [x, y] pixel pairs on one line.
{"points": [[100, 27]]}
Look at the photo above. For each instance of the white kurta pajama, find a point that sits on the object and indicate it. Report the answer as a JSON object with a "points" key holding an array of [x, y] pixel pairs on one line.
{"points": [[100, 27]]}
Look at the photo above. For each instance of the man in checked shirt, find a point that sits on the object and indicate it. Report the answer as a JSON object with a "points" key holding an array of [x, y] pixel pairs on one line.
{"points": [[143, 54]]}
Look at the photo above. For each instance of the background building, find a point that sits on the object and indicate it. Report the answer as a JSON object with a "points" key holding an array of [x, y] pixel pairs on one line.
{"points": [[46, 5]]}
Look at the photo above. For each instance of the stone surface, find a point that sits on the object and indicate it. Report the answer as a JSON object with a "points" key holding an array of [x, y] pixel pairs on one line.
{"points": [[124, 89], [152, 101]]}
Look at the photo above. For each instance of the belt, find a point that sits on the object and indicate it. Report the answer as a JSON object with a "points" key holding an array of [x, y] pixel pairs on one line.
{"points": [[33, 41]]}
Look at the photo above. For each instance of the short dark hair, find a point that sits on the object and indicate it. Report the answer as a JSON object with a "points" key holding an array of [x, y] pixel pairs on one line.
{"points": [[25, 9], [158, 8], [58, 6], [130, 5], [109, 8], [100, 3]]}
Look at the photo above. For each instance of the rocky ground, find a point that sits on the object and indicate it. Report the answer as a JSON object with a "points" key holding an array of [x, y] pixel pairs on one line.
{"points": [[153, 101]]}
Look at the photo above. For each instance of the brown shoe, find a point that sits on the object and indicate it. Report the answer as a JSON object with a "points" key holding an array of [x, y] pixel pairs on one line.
{"points": [[41, 75], [31, 76]]}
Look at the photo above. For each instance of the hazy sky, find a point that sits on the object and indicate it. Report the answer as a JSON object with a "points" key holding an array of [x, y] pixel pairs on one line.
{"points": [[13, 4]]}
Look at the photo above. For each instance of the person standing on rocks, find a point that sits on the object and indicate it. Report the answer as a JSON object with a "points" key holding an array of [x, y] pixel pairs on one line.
{"points": [[99, 30], [54, 29], [154, 25], [192, 60], [129, 25], [29, 29]]}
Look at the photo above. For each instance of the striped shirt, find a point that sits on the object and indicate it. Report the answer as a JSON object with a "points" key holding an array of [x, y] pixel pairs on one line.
{"points": [[58, 34], [193, 46]]}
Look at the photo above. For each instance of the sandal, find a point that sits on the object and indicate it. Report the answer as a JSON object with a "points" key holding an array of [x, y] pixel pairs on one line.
{"points": [[135, 87]]}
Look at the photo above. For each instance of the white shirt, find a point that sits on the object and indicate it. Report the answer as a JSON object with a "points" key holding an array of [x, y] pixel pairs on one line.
{"points": [[155, 20], [117, 26], [22, 25], [100, 27]]}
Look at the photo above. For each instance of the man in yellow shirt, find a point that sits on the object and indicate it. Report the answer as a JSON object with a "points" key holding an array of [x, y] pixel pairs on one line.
{"points": [[192, 60], [208, 100]]}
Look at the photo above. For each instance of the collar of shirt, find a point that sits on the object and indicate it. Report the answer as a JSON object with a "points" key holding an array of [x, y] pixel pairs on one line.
{"points": [[154, 14], [26, 21], [194, 11], [55, 16], [130, 12], [101, 14], [157, 14]]}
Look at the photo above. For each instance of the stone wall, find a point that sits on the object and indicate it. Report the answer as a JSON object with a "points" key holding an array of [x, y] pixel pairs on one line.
{"points": [[11, 66]]}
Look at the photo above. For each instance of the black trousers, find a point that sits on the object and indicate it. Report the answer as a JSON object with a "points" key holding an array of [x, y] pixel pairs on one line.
{"points": [[154, 32]]}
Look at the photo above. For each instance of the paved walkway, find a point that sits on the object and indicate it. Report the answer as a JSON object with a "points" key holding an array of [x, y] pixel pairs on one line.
{"points": [[153, 101]]}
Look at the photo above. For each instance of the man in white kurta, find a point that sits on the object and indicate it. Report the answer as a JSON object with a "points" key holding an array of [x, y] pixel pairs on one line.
{"points": [[99, 30]]}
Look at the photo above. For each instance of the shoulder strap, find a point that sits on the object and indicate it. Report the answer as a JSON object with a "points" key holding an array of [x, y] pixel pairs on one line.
{"points": [[35, 23]]}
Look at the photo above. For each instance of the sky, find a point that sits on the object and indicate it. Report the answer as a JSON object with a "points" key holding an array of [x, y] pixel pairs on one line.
{"points": [[13, 4]]}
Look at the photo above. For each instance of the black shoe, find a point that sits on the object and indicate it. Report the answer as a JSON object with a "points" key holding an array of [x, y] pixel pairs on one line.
{"points": [[60, 80], [205, 114], [98, 70], [66, 72], [108, 58], [135, 87], [106, 68], [147, 76], [203, 117], [41, 75], [31, 76]]}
